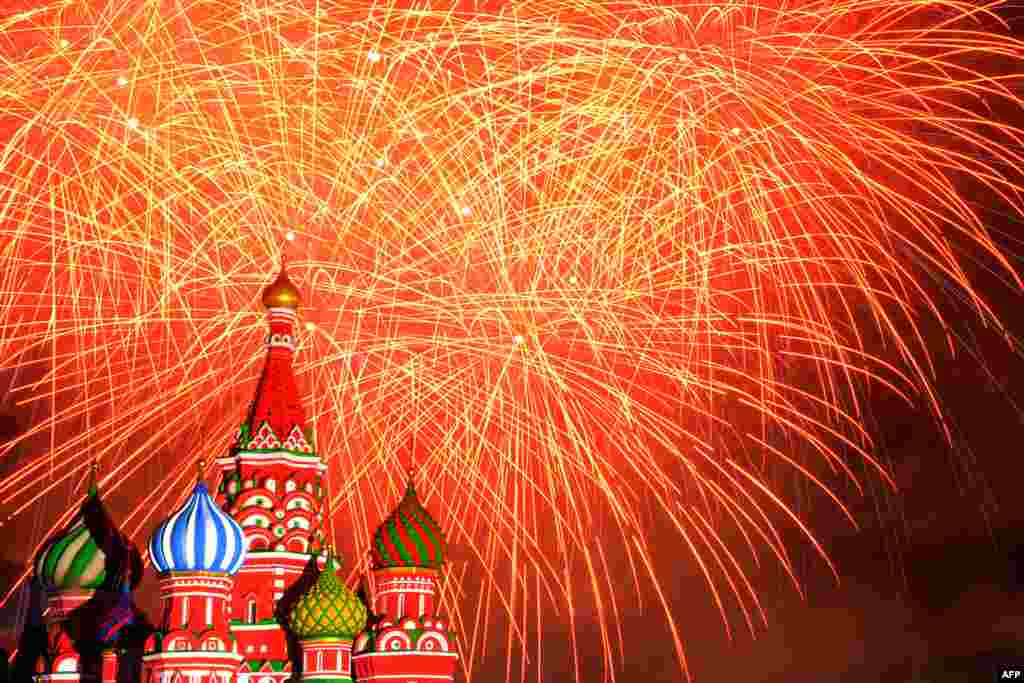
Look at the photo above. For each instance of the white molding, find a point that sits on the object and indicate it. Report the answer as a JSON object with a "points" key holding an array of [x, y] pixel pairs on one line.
{"points": [[310, 461], [254, 627], [193, 594], [271, 554], [287, 312], [194, 654], [409, 677], [404, 653]]}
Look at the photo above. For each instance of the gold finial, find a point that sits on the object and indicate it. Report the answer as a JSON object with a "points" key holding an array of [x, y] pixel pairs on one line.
{"points": [[328, 519], [332, 562], [410, 476], [281, 293], [200, 470]]}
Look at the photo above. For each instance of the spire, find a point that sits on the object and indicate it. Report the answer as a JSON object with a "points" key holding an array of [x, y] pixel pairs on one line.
{"points": [[333, 562], [200, 470], [328, 514], [276, 420], [410, 474], [94, 470]]}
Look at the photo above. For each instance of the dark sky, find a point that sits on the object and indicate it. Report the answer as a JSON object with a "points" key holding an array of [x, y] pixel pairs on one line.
{"points": [[931, 586]]}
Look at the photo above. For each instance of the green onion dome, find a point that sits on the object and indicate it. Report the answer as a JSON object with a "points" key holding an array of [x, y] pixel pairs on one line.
{"points": [[409, 537], [328, 609], [90, 553]]}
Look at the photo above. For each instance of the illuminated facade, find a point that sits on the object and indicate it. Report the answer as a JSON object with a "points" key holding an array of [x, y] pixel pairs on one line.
{"points": [[248, 585]]}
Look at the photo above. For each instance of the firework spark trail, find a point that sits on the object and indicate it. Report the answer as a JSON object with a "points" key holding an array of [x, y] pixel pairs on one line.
{"points": [[602, 260]]}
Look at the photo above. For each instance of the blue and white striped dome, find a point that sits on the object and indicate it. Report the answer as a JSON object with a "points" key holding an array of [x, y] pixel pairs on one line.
{"points": [[199, 537]]}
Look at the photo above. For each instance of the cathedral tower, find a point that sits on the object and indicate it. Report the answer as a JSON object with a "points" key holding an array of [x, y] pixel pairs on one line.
{"points": [[409, 641], [87, 572], [271, 484], [326, 619], [196, 551]]}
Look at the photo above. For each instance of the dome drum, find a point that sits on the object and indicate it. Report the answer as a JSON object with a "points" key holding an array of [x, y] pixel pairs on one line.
{"points": [[326, 659], [383, 666], [197, 583]]}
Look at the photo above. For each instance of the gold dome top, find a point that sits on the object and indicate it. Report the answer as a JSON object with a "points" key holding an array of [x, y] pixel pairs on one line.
{"points": [[281, 293]]}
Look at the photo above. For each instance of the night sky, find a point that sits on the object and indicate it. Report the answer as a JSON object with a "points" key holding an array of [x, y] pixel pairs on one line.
{"points": [[932, 584]]}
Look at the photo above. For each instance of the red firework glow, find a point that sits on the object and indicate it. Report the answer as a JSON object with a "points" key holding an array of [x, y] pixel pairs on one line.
{"points": [[593, 267]]}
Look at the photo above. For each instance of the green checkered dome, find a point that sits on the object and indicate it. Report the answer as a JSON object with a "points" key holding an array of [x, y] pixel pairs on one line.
{"points": [[328, 609]]}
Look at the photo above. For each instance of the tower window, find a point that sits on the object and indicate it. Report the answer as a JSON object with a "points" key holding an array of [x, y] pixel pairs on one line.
{"points": [[252, 611]]}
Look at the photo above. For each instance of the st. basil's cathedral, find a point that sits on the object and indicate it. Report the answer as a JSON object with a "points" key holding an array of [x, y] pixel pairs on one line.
{"points": [[247, 579]]}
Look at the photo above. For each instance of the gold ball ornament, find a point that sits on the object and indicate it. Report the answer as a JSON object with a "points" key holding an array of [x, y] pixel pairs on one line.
{"points": [[281, 293]]}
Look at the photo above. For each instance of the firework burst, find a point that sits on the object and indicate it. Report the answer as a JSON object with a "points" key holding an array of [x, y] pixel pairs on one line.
{"points": [[587, 264]]}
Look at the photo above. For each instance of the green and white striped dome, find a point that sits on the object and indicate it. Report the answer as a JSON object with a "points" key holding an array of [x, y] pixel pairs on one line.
{"points": [[90, 553]]}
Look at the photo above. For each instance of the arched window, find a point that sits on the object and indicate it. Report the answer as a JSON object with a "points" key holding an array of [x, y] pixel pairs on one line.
{"points": [[251, 611], [289, 486]]}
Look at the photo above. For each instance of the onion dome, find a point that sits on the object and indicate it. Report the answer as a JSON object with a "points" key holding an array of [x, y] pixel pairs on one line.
{"points": [[328, 609], [409, 537], [199, 537], [90, 553], [281, 293]]}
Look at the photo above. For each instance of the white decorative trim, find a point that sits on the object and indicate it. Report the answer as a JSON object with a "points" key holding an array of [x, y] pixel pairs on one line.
{"points": [[194, 594], [278, 340], [307, 462], [284, 312], [405, 653], [255, 627], [226, 657], [389, 590], [406, 677], [272, 554]]}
